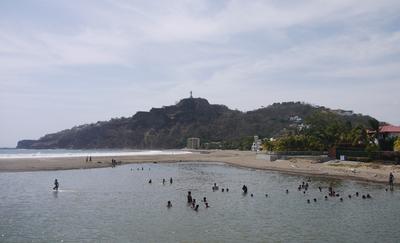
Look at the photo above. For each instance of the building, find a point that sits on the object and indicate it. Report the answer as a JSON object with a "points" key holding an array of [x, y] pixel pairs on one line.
{"points": [[193, 143], [344, 112], [212, 145], [389, 131], [256, 144]]}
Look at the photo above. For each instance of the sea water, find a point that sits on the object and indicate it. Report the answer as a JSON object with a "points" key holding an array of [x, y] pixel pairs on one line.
{"points": [[119, 205], [64, 153]]}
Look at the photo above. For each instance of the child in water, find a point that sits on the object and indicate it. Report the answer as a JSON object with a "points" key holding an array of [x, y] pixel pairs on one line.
{"points": [[56, 185]]}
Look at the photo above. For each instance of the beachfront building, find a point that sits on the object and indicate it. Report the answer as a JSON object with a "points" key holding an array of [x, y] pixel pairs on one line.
{"points": [[389, 131], [256, 144], [193, 143]]}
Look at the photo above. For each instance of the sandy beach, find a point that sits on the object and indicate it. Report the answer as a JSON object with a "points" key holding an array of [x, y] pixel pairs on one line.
{"points": [[338, 169]]}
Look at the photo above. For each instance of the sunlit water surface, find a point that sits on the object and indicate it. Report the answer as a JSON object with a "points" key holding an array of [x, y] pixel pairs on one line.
{"points": [[119, 205]]}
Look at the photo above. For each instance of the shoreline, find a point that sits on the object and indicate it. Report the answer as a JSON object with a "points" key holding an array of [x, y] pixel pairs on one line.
{"points": [[359, 171]]}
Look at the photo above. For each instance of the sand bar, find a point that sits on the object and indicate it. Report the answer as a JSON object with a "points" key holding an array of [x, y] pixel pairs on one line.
{"points": [[338, 169]]}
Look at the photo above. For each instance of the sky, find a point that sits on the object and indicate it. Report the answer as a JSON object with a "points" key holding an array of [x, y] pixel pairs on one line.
{"points": [[71, 62]]}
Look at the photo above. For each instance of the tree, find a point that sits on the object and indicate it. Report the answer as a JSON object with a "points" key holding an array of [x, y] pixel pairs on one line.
{"points": [[397, 145]]}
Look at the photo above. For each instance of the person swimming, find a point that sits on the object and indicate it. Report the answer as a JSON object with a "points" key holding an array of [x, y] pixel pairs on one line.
{"points": [[222, 190], [341, 199], [193, 202], [170, 180], [196, 208], [227, 189], [207, 206], [215, 187], [266, 195], [287, 191], [251, 195], [244, 188], [349, 196], [308, 200], [56, 185], [320, 189], [163, 181], [315, 200], [357, 194], [368, 196], [326, 197], [169, 204], [204, 199], [150, 181]]}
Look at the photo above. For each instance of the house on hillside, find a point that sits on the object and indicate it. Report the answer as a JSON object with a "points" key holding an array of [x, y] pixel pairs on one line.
{"points": [[344, 112], [256, 144], [389, 131]]}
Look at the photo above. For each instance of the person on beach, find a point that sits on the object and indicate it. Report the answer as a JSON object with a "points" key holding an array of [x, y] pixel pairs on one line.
{"points": [[391, 181], [170, 180], [56, 185], [207, 206], [189, 197], [163, 181], [90, 158], [150, 181]]}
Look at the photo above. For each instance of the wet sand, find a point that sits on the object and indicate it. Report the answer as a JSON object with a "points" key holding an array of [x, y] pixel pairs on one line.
{"points": [[338, 169]]}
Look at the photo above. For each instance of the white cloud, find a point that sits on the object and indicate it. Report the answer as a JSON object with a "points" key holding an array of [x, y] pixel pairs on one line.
{"points": [[114, 57]]}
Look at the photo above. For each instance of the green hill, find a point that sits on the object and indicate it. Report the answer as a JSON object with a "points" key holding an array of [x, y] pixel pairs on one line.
{"points": [[169, 127]]}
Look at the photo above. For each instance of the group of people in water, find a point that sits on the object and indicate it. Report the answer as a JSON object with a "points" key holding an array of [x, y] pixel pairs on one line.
{"points": [[192, 202], [302, 187]]}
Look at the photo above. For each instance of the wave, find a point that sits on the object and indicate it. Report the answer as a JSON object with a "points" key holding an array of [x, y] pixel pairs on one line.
{"points": [[28, 154]]}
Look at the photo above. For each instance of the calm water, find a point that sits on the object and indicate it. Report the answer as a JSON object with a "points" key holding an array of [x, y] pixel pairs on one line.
{"points": [[119, 205]]}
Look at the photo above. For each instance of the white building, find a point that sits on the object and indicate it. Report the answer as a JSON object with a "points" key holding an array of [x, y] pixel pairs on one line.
{"points": [[256, 144]]}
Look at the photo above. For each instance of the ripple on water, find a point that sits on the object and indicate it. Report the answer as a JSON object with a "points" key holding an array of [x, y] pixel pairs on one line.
{"points": [[117, 204]]}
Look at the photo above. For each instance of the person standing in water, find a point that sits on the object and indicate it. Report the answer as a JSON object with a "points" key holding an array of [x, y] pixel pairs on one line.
{"points": [[189, 197], [391, 181], [56, 185]]}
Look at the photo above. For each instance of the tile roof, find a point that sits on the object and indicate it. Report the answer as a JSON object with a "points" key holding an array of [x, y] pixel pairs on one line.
{"points": [[389, 129]]}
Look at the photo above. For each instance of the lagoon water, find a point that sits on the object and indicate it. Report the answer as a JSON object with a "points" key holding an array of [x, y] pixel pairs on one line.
{"points": [[119, 205]]}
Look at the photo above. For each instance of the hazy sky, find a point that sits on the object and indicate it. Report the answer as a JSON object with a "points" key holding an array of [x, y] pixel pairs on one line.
{"points": [[66, 63]]}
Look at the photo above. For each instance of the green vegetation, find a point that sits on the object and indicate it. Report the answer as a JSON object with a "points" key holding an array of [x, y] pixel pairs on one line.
{"points": [[397, 145], [216, 125], [323, 130]]}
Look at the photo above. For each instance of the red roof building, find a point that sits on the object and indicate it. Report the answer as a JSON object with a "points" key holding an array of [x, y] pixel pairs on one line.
{"points": [[389, 131]]}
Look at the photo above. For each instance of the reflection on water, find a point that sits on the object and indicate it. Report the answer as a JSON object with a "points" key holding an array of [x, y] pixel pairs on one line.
{"points": [[119, 205]]}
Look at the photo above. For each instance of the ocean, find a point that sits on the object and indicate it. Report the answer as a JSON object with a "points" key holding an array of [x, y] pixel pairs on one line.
{"points": [[62, 153]]}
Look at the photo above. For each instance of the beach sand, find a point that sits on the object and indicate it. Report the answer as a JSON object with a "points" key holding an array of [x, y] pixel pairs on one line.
{"points": [[338, 169]]}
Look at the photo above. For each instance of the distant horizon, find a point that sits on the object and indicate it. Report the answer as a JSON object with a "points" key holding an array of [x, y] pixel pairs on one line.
{"points": [[66, 63]]}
